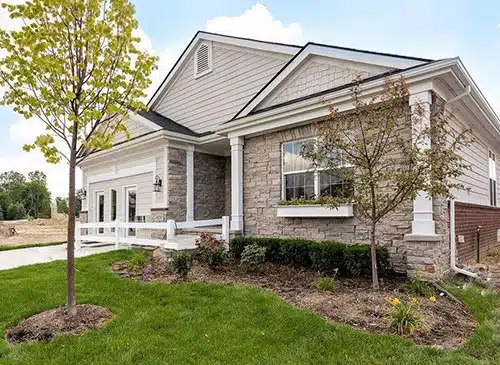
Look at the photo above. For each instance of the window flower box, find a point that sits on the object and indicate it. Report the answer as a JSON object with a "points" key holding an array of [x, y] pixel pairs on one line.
{"points": [[315, 211]]}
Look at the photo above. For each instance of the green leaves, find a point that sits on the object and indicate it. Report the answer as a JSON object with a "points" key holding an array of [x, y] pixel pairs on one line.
{"points": [[75, 65]]}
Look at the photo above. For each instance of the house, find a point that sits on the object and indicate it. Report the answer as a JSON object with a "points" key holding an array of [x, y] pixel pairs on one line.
{"points": [[223, 133]]}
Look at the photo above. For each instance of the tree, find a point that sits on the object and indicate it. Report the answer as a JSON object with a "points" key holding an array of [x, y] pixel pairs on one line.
{"points": [[62, 205], [75, 66], [37, 176], [36, 197], [377, 147]]}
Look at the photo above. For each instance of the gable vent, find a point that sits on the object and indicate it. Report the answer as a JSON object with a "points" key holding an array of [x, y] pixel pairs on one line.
{"points": [[203, 61]]}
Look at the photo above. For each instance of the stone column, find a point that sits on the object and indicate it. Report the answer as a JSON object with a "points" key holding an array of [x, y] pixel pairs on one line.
{"points": [[237, 183], [84, 218], [159, 215]]}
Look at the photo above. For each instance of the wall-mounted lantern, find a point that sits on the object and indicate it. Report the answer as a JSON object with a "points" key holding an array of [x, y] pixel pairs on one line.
{"points": [[84, 194], [157, 184]]}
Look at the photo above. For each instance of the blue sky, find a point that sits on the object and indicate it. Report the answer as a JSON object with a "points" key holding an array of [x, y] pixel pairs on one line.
{"points": [[424, 28]]}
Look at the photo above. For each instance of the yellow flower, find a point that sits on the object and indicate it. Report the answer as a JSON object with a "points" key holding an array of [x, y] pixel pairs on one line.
{"points": [[395, 301], [433, 299]]}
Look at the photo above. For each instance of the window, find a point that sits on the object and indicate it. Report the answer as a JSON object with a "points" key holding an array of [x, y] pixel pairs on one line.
{"points": [[493, 178], [300, 182], [203, 60], [100, 210], [130, 208], [113, 207]]}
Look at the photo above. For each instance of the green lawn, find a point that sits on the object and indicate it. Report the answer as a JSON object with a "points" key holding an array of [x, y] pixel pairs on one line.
{"points": [[28, 245], [209, 324]]}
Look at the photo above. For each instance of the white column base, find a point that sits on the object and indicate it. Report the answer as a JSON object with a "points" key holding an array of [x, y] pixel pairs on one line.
{"points": [[237, 223]]}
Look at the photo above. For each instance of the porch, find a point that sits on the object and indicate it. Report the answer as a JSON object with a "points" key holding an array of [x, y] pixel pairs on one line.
{"points": [[119, 233]]}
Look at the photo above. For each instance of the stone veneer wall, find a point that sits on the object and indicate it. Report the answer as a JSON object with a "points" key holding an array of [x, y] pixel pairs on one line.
{"points": [[262, 194], [177, 184], [209, 186]]}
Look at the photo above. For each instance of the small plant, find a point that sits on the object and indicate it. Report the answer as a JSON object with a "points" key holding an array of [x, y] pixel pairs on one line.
{"points": [[138, 261], [326, 284], [182, 262], [418, 287], [253, 257], [404, 315], [211, 250]]}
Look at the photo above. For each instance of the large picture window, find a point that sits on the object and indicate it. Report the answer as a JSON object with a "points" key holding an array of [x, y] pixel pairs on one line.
{"points": [[300, 182]]}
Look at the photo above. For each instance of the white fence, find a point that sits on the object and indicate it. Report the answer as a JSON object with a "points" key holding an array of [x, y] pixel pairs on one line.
{"points": [[118, 233]]}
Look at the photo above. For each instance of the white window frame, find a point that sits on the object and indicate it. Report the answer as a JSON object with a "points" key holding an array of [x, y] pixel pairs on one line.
{"points": [[492, 176], [210, 63], [317, 171]]}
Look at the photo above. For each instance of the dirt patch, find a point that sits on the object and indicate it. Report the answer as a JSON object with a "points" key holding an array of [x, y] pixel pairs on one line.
{"points": [[448, 324], [44, 326], [35, 231]]}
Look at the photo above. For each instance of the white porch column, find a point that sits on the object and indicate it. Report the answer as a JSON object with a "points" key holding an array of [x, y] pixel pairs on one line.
{"points": [[237, 183], [189, 185], [423, 225]]}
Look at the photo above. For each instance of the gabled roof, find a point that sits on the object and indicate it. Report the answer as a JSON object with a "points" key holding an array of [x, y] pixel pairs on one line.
{"points": [[166, 123], [239, 41], [391, 61]]}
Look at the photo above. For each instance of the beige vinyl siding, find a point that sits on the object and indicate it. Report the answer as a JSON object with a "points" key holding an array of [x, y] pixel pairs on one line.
{"points": [[477, 178], [135, 128], [237, 75], [318, 73]]}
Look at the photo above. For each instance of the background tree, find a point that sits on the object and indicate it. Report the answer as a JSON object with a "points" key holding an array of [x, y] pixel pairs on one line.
{"points": [[75, 66], [62, 205], [377, 148], [36, 198]]}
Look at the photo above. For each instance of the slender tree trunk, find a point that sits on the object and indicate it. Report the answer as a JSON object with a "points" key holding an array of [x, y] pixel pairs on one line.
{"points": [[374, 257], [70, 265]]}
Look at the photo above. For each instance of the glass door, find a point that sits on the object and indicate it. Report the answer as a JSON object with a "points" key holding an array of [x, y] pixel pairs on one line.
{"points": [[100, 210], [130, 208]]}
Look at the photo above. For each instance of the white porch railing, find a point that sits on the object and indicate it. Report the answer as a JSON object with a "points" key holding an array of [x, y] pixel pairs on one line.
{"points": [[120, 234]]}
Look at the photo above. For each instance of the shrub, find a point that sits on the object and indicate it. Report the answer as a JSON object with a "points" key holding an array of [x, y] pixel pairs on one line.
{"points": [[16, 211], [404, 316], [327, 257], [182, 262], [326, 283], [211, 251], [253, 257], [418, 287], [138, 261]]}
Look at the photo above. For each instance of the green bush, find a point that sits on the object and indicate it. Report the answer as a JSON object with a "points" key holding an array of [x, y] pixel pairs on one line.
{"points": [[327, 257], [211, 251], [253, 257], [182, 262], [326, 283], [418, 287], [138, 261], [404, 316], [16, 211]]}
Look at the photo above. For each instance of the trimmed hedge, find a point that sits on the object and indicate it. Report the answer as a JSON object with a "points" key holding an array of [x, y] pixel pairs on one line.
{"points": [[352, 260]]}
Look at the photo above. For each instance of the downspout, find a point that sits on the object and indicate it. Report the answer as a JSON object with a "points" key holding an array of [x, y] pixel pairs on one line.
{"points": [[453, 245]]}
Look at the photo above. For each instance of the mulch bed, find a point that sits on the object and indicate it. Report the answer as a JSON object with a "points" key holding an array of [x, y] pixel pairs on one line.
{"points": [[448, 323], [44, 326]]}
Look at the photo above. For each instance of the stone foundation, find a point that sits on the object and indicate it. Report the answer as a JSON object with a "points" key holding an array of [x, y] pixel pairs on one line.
{"points": [[209, 186], [84, 218]]}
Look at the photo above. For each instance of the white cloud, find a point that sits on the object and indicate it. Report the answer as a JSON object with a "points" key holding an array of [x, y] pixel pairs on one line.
{"points": [[256, 22]]}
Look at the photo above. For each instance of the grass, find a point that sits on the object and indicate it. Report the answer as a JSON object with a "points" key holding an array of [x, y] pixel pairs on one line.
{"points": [[210, 324], [28, 245]]}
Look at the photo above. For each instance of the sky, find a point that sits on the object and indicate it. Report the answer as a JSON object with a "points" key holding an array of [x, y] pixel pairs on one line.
{"points": [[469, 29]]}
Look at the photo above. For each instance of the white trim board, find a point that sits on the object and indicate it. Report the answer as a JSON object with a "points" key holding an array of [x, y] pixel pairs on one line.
{"points": [[131, 171], [392, 62]]}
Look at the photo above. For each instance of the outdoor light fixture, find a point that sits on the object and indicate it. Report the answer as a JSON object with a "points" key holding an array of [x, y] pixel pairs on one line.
{"points": [[84, 194], [157, 184]]}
